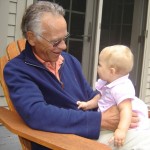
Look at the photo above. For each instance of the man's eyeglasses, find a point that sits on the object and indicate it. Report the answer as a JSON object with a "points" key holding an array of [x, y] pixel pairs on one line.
{"points": [[55, 43]]}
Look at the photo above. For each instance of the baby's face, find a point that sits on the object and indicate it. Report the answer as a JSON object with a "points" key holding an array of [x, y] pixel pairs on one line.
{"points": [[103, 70]]}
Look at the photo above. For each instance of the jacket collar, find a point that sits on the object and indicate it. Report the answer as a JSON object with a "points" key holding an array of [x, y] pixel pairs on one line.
{"points": [[29, 57]]}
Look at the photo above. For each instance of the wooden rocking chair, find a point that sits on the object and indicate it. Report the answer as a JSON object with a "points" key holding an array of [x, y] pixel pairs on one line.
{"points": [[13, 122]]}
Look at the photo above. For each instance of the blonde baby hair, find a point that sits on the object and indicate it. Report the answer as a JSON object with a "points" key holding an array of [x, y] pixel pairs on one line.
{"points": [[119, 57]]}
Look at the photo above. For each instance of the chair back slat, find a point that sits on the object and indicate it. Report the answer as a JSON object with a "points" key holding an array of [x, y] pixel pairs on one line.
{"points": [[3, 62], [13, 49], [21, 44]]}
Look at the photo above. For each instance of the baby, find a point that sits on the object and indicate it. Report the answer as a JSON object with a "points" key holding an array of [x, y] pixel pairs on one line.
{"points": [[115, 88]]}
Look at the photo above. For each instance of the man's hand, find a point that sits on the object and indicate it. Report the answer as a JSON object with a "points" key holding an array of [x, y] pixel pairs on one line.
{"points": [[134, 120], [110, 119]]}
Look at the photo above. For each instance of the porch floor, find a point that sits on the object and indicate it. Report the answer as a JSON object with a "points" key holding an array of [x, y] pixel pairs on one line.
{"points": [[8, 141]]}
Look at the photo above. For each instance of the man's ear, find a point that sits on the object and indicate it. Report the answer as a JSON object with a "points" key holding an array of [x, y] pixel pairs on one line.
{"points": [[30, 37]]}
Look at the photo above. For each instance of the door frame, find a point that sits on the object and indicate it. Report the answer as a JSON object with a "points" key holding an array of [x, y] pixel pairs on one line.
{"points": [[137, 41], [97, 41], [145, 77], [90, 58]]}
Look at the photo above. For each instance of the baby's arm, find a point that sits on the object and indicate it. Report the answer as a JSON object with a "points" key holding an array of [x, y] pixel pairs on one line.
{"points": [[125, 110], [91, 104]]}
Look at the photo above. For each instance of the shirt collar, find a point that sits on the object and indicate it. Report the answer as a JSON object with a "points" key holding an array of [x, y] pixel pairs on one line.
{"points": [[101, 83], [119, 80], [58, 62]]}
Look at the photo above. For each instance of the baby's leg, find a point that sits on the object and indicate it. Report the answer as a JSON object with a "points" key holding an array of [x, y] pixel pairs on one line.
{"points": [[135, 140]]}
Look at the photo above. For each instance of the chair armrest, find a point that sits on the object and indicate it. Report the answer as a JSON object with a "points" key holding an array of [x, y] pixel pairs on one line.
{"points": [[13, 122]]}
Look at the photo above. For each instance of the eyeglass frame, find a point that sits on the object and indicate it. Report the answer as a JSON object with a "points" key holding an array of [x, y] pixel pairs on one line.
{"points": [[55, 43]]}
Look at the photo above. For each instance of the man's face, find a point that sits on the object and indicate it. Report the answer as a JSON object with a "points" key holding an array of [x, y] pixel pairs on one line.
{"points": [[50, 43]]}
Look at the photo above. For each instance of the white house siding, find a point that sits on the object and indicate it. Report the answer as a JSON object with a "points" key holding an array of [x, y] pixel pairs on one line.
{"points": [[8, 30], [11, 12], [11, 21], [147, 92], [4, 9], [8, 13], [4, 15]]}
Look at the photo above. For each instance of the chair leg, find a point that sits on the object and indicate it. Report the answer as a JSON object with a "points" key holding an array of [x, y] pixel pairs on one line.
{"points": [[26, 145]]}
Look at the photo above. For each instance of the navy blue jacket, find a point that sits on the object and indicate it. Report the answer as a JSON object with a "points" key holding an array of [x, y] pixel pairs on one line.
{"points": [[46, 104]]}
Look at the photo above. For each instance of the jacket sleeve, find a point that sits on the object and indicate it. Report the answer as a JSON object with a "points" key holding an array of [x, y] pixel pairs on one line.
{"points": [[81, 79]]}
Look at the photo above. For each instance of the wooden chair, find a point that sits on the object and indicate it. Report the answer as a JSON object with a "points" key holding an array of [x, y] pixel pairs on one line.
{"points": [[13, 122]]}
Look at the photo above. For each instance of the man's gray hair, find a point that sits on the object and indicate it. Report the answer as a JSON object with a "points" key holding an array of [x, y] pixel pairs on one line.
{"points": [[31, 20]]}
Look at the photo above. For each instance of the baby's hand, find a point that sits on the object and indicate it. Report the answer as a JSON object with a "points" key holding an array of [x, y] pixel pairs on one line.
{"points": [[118, 139], [82, 105]]}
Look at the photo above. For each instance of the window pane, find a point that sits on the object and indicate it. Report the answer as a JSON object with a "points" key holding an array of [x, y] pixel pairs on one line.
{"points": [[126, 34], [79, 5], [77, 24], [128, 10], [64, 3], [115, 34], [75, 48]]}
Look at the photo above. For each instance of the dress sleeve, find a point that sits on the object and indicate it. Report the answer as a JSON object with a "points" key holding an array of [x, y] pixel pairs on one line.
{"points": [[123, 91]]}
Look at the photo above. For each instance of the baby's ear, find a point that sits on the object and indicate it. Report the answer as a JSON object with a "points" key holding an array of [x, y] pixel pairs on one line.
{"points": [[30, 37], [112, 70]]}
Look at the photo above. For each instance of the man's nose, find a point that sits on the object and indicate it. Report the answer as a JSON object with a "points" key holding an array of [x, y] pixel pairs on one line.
{"points": [[62, 45]]}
